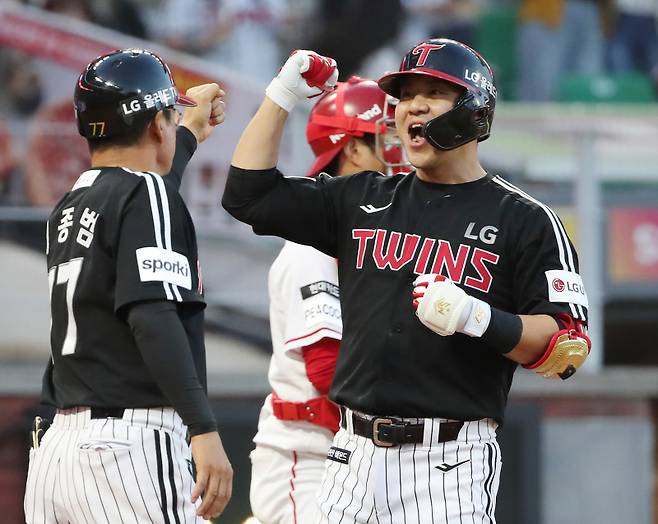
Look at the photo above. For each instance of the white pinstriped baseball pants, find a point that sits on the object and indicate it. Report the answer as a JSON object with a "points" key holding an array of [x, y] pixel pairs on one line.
{"points": [[134, 469], [428, 483]]}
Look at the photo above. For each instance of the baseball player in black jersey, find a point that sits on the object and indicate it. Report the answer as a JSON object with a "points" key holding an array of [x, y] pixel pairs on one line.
{"points": [[127, 373], [450, 277]]}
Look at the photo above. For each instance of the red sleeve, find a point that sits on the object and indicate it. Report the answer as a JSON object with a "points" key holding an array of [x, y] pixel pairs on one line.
{"points": [[320, 359]]}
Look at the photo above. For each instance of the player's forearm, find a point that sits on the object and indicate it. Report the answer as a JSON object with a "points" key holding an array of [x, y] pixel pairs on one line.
{"points": [[185, 147], [163, 344], [535, 337], [258, 147]]}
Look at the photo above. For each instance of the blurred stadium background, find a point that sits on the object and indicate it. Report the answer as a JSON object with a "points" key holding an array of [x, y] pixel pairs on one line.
{"points": [[577, 126]]}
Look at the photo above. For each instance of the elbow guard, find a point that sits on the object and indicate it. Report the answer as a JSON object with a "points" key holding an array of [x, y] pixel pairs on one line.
{"points": [[566, 351]]}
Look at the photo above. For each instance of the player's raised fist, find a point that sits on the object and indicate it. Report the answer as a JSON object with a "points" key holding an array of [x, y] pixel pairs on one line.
{"points": [[305, 74], [208, 113]]}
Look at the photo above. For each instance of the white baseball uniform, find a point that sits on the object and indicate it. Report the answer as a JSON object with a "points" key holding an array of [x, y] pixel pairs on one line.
{"points": [[288, 462], [139, 460]]}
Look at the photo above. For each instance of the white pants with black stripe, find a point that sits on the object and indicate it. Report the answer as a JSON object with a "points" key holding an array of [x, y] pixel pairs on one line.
{"points": [[428, 483], [133, 469]]}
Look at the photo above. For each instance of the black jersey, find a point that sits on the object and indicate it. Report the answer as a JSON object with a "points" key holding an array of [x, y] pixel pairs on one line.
{"points": [[117, 238], [493, 240]]}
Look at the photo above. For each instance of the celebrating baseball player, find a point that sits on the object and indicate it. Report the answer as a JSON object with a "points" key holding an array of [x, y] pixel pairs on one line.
{"points": [[348, 133], [449, 278], [127, 373]]}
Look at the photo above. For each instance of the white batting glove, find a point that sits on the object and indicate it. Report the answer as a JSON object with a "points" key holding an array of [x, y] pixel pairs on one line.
{"points": [[305, 74], [447, 309]]}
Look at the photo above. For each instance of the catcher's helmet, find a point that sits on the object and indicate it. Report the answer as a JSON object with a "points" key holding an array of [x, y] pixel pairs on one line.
{"points": [[454, 62], [122, 89], [354, 108]]}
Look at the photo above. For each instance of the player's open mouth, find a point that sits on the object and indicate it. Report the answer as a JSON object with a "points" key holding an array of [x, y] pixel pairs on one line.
{"points": [[416, 136]]}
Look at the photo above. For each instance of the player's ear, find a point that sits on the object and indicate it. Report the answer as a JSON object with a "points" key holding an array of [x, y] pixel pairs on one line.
{"points": [[352, 151], [157, 126]]}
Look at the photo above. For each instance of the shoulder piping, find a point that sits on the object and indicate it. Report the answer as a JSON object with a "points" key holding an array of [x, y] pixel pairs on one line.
{"points": [[564, 248]]}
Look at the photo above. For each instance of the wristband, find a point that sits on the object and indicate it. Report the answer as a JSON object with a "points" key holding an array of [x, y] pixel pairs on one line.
{"points": [[504, 331]]}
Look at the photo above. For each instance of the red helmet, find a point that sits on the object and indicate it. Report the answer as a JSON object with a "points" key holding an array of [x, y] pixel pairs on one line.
{"points": [[354, 108]]}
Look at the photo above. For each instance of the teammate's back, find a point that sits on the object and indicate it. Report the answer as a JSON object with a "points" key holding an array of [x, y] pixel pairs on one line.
{"points": [[127, 373]]}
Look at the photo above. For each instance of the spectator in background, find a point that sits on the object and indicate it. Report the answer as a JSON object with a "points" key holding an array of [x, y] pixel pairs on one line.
{"points": [[248, 36], [187, 25], [456, 19], [633, 44], [22, 92], [202, 189], [422, 19], [557, 37], [56, 154], [7, 161], [120, 15], [353, 30], [80, 9]]}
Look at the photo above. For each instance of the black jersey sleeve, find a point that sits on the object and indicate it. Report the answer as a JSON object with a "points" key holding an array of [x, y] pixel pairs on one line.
{"points": [[163, 344], [185, 147], [546, 278], [147, 266], [303, 210]]}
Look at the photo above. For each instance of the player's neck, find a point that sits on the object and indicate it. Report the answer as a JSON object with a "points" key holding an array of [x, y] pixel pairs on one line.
{"points": [[135, 158], [452, 167]]}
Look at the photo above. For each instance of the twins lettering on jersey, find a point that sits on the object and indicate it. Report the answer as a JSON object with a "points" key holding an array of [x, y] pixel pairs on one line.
{"points": [[393, 250]]}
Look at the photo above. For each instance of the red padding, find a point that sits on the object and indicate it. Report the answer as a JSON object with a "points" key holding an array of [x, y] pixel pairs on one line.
{"points": [[320, 359]]}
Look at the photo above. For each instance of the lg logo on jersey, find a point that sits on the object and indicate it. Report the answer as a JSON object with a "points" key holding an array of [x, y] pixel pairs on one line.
{"points": [[566, 286], [559, 285], [487, 234]]}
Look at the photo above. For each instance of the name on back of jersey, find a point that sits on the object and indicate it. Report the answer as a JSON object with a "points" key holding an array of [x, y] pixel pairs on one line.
{"points": [[163, 265], [87, 224]]}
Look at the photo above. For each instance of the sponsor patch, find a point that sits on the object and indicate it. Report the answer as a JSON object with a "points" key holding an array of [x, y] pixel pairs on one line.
{"points": [[566, 287], [319, 287], [163, 265], [339, 455]]}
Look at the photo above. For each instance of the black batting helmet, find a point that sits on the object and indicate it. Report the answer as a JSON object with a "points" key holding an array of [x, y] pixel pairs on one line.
{"points": [[122, 89], [454, 62]]}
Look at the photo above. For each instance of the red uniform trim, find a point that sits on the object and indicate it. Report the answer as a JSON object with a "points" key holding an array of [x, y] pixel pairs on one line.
{"points": [[292, 486], [312, 333]]}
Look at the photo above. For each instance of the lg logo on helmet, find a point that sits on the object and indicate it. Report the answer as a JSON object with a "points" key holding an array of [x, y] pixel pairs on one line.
{"points": [[480, 80]]}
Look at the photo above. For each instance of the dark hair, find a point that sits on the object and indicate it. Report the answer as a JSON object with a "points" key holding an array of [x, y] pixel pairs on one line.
{"points": [[332, 167], [131, 136]]}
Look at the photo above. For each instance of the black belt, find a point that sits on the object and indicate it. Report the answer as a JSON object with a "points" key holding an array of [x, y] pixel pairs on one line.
{"points": [[387, 431], [107, 412]]}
